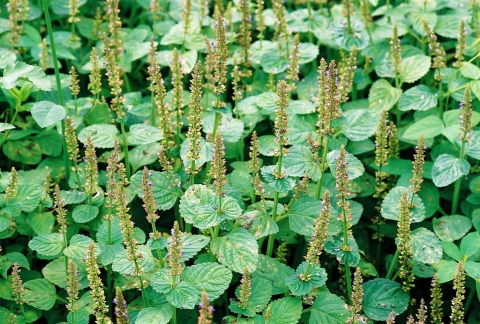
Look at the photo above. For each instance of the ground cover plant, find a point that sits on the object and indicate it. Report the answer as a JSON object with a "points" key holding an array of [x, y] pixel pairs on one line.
{"points": [[243, 161]]}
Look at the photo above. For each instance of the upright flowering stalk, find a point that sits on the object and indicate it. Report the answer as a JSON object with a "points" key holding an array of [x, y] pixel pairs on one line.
{"points": [[91, 169], [393, 144], [436, 310], [175, 266], [245, 37], [347, 70], [395, 54], [206, 311], [72, 18], [260, 21], [95, 76], [131, 243], [418, 162], [186, 19], [47, 190], [357, 298], [111, 185], [342, 185], [114, 23], [43, 62], [366, 17], [150, 207], [218, 173], [74, 88], [348, 12], [18, 11], [404, 244], [17, 287], [194, 133], [245, 290], [465, 136], [422, 312], [61, 211], [97, 23], [12, 188], [328, 110], [280, 130], [100, 308], [381, 155], [281, 28], [254, 164], [73, 288], [461, 47], [294, 65], [72, 147], [177, 100], [436, 50], [281, 253], [458, 313], [121, 310], [320, 231], [154, 8]]}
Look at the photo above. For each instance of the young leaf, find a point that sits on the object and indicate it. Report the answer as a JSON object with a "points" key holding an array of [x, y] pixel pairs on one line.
{"points": [[414, 68], [470, 245], [302, 282], [451, 250], [84, 213], [236, 250], [286, 310], [77, 249], [123, 265], [40, 294], [47, 113], [334, 246], [383, 96], [47, 244], [302, 215], [103, 135], [198, 206], [419, 97], [282, 185], [447, 169], [143, 134], [211, 277], [381, 297], [299, 161], [41, 223], [429, 127], [329, 308]]}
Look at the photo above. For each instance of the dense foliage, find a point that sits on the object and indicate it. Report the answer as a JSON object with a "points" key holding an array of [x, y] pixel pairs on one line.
{"points": [[178, 161]]}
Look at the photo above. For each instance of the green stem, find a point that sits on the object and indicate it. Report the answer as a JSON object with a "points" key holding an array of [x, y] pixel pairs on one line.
{"points": [[153, 113], [471, 294], [322, 170], [109, 290], [392, 265], [271, 237], [348, 276], [349, 23], [456, 191], [440, 95], [174, 316]]}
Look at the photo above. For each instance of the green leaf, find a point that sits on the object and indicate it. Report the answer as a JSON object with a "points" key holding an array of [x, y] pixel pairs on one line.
{"points": [[383, 96], [50, 142], [236, 250], [390, 205], [261, 292], [286, 310], [155, 315], [413, 68], [275, 272], [77, 249], [5, 126], [472, 147], [274, 62], [429, 127], [19, 258], [451, 250], [447, 169], [299, 161], [143, 155], [183, 295], [103, 135], [329, 308], [20, 71], [316, 276], [268, 145], [165, 190], [115, 232], [47, 113], [451, 228], [55, 272], [419, 97], [192, 244], [473, 269], [198, 206], [84, 213], [231, 128], [355, 168], [161, 281], [470, 245], [5, 221], [47, 244], [333, 245], [381, 297], [211, 277], [41, 223], [426, 246], [358, 124], [123, 265], [7, 57], [40, 294], [300, 107], [143, 134], [302, 215], [446, 271], [470, 71], [258, 222], [299, 126], [23, 151], [281, 185]]}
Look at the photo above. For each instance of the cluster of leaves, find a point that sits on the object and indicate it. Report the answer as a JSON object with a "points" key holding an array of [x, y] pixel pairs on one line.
{"points": [[279, 162]]}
